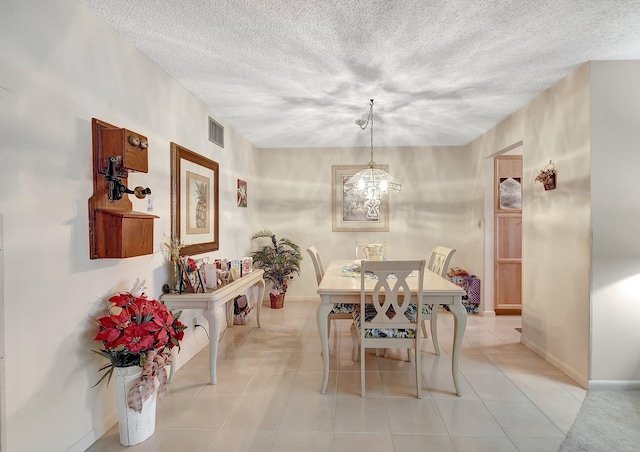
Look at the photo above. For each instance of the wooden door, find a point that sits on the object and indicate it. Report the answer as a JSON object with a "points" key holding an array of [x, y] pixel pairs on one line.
{"points": [[508, 235]]}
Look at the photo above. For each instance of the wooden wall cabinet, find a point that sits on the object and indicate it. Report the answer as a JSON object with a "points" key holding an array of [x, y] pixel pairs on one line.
{"points": [[115, 230]]}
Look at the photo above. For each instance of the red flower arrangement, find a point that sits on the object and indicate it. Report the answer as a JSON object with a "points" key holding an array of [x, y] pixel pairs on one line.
{"points": [[192, 265], [139, 331]]}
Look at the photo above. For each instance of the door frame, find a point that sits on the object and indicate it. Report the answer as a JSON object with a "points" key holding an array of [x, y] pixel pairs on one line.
{"points": [[489, 227]]}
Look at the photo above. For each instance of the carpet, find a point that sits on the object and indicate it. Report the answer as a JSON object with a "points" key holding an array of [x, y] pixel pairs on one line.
{"points": [[607, 421]]}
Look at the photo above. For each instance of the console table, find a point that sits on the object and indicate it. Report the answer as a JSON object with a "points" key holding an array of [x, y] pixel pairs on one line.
{"points": [[209, 302]]}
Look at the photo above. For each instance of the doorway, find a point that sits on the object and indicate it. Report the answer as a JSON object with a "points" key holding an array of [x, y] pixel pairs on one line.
{"points": [[507, 223]]}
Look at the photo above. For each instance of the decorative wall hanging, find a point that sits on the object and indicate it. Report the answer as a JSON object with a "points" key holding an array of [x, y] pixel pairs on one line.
{"points": [[547, 176], [350, 212], [242, 193], [115, 230], [194, 201]]}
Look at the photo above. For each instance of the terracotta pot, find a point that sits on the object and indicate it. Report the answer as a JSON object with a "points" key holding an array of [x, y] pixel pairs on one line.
{"points": [[277, 301]]}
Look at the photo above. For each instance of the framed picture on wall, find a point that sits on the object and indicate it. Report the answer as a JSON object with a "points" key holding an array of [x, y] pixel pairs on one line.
{"points": [[242, 193], [349, 213], [194, 201]]}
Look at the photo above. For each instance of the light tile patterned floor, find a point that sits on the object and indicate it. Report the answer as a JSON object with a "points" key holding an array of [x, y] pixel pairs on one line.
{"points": [[268, 394]]}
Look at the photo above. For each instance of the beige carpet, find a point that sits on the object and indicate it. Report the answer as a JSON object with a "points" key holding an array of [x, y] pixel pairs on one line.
{"points": [[607, 421]]}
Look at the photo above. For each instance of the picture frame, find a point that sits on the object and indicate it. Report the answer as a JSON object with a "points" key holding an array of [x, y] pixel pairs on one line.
{"points": [[242, 193], [247, 265], [194, 201], [348, 211], [191, 281]]}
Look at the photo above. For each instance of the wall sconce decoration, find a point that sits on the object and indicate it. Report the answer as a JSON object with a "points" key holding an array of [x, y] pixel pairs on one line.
{"points": [[547, 176], [115, 230]]}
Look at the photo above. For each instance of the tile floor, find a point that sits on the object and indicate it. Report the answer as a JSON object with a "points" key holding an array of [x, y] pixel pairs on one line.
{"points": [[268, 394]]}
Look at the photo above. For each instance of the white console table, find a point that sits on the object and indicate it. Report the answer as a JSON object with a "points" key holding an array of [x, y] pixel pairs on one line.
{"points": [[209, 302]]}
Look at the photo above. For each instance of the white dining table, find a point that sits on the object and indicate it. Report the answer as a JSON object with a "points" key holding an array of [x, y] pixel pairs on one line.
{"points": [[336, 288]]}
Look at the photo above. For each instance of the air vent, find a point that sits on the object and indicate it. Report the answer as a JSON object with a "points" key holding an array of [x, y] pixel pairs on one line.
{"points": [[216, 132]]}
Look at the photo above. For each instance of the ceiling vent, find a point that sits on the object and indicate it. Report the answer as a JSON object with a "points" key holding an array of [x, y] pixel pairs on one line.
{"points": [[216, 132]]}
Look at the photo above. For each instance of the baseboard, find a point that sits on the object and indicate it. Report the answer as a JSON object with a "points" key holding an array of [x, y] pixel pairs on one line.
{"points": [[94, 435], [615, 385], [570, 372], [190, 347], [293, 298], [488, 313], [307, 299]]}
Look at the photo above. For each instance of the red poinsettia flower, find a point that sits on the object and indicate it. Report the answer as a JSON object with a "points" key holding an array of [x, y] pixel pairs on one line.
{"points": [[122, 299], [136, 326], [136, 338]]}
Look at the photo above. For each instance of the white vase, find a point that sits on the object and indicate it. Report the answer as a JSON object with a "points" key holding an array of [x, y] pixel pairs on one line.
{"points": [[134, 427]]}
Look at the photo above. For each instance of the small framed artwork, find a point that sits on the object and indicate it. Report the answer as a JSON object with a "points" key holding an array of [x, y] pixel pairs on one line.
{"points": [[242, 193], [191, 277], [349, 210], [194, 201], [236, 269], [247, 265]]}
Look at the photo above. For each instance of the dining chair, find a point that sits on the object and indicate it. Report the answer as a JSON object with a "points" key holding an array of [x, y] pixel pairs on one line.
{"points": [[362, 244], [339, 310], [439, 264], [387, 317]]}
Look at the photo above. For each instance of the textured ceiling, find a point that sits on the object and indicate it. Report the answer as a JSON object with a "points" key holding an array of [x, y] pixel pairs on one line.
{"points": [[298, 73]]}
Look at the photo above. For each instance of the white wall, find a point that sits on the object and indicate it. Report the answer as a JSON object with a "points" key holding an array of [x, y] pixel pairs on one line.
{"points": [[59, 67], [615, 216], [556, 226], [556, 223], [440, 203]]}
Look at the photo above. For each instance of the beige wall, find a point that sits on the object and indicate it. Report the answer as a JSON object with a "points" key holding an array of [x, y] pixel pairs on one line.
{"points": [[556, 223], [615, 214], [440, 203], [580, 253], [59, 67]]}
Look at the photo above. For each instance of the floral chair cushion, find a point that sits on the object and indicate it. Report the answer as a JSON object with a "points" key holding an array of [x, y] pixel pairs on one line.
{"points": [[426, 309], [343, 308], [370, 313]]}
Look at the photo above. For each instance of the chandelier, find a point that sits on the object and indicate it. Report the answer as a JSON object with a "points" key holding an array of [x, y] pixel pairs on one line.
{"points": [[371, 183]]}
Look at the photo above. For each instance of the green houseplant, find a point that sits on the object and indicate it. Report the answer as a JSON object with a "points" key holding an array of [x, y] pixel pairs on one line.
{"points": [[280, 259]]}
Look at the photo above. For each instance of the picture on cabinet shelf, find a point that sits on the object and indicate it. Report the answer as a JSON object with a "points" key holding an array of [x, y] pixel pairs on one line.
{"points": [[191, 276]]}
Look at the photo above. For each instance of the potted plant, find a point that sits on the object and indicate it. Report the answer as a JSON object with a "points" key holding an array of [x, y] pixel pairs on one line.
{"points": [[137, 336], [280, 259]]}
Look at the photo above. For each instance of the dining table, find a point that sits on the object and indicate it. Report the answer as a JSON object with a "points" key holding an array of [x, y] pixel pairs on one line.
{"points": [[341, 285]]}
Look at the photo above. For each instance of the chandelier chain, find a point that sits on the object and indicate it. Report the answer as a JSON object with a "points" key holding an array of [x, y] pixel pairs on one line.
{"points": [[371, 118]]}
